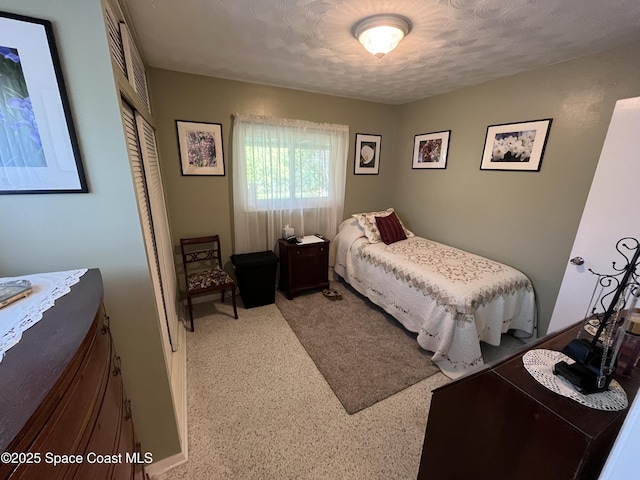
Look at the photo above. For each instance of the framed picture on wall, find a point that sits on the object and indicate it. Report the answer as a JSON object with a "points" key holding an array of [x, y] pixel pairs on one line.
{"points": [[430, 150], [38, 146], [367, 154], [515, 146], [200, 148]]}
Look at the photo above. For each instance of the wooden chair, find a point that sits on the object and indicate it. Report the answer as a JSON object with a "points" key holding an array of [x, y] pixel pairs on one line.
{"points": [[202, 261]]}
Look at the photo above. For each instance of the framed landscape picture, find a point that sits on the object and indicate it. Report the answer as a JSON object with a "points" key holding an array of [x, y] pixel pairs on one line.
{"points": [[367, 156], [515, 146], [200, 148], [38, 146], [430, 150]]}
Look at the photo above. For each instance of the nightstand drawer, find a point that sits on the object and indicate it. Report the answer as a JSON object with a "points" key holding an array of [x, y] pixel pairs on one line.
{"points": [[311, 250]]}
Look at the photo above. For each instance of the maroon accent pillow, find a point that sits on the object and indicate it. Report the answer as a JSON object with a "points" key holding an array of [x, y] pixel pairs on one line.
{"points": [[390, 228]]}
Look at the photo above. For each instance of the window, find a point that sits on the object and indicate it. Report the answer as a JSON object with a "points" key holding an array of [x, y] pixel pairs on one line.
{"points": [[281, 173], [286, 172]]}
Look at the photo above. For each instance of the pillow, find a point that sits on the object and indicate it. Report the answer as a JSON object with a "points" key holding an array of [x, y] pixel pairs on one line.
{"points": [[390, 229], [367, 222]]}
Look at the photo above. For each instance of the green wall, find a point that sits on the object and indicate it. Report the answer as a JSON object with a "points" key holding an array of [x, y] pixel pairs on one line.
{"points": [[201, 205], [101, 229], [525, 219]]}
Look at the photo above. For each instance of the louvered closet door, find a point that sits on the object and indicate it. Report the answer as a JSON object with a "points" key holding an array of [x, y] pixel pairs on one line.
{"points": [[141, 186], [136, 72], [113, 16], [151, 165], [124, 51]]}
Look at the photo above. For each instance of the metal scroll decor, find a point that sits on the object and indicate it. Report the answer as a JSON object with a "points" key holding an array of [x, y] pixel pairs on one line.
{"points": [[595, 350]]}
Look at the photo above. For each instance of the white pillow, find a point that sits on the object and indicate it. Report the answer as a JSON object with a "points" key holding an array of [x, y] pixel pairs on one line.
{"points": [[367, 222]]}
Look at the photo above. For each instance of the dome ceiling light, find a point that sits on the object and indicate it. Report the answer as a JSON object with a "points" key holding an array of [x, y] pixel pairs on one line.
{"points": [[380, 34]]}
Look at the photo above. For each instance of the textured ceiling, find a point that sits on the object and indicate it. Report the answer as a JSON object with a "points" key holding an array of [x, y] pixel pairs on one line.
{"points": [[307, 44]]}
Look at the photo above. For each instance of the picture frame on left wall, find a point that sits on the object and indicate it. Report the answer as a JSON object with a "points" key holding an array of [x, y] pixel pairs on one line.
{"points": [[367, 154], [201, 151], [39, 150]]}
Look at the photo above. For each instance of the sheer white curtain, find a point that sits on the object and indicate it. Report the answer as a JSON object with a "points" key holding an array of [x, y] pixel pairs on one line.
{"points": [[286, 172]]}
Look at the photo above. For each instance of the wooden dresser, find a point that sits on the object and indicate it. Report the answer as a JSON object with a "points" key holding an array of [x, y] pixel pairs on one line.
{"points": [[303, 267], [62, 399], [500, 423]]}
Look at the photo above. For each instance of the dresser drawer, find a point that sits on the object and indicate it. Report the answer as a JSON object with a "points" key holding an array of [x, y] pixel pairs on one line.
{"points": [[126, 445], [104, 438], [69, 428]]}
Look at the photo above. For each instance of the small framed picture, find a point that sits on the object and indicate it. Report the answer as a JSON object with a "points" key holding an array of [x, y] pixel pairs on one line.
{"points": [[367, 156], [430, 150], [515, 146], [200, 148]]}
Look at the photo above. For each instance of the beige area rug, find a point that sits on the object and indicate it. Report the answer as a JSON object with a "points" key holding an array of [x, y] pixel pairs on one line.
{"points": [[364, 354]]}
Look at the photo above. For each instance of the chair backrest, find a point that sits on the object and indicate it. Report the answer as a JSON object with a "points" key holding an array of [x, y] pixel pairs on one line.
{"points": [[201, 252]]}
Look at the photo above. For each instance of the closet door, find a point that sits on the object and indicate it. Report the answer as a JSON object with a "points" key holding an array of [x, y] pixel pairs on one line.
{"points": [[160, 221], [138, 146], [135, 66], [124, 51], [113, 17]]}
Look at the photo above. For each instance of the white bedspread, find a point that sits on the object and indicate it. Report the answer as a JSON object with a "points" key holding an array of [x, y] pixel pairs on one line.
{"points": [[451, 298]]}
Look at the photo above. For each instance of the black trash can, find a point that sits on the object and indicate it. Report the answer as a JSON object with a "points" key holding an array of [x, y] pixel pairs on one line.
{"points": [[256, 274]]}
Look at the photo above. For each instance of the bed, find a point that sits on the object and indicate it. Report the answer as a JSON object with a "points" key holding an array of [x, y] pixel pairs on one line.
{"points": [[452, 299]]}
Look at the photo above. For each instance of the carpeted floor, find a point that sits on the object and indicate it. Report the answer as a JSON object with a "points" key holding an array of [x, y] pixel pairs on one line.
{"points": [[364, 353], [258, 408]]}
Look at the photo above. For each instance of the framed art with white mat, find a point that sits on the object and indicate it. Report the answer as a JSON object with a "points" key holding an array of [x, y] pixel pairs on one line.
{"points": [[430, 150], [516, 146], [39, 150], [367, 154]]}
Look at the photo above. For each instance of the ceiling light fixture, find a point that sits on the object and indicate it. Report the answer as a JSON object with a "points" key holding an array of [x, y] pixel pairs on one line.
{"points": [[380, 34]]}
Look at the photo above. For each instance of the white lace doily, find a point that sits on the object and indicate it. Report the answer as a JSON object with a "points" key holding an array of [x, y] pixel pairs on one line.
{"points": [[539, 363], [17, 317]]}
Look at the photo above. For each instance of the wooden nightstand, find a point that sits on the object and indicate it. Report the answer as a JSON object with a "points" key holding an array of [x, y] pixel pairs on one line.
{"points": [[303, 267]]}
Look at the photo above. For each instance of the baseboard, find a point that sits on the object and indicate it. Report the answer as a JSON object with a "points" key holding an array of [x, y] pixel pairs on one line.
{"points": [[179, 389], [179, 394], [164, 465]]}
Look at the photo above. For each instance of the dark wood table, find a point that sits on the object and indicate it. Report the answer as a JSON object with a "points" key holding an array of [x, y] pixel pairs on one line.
{"points": [[500, 423], [30, 369], [61, 393]]}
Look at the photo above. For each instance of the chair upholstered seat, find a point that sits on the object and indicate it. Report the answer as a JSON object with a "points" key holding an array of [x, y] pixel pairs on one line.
{"points": [[207, 279]]}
